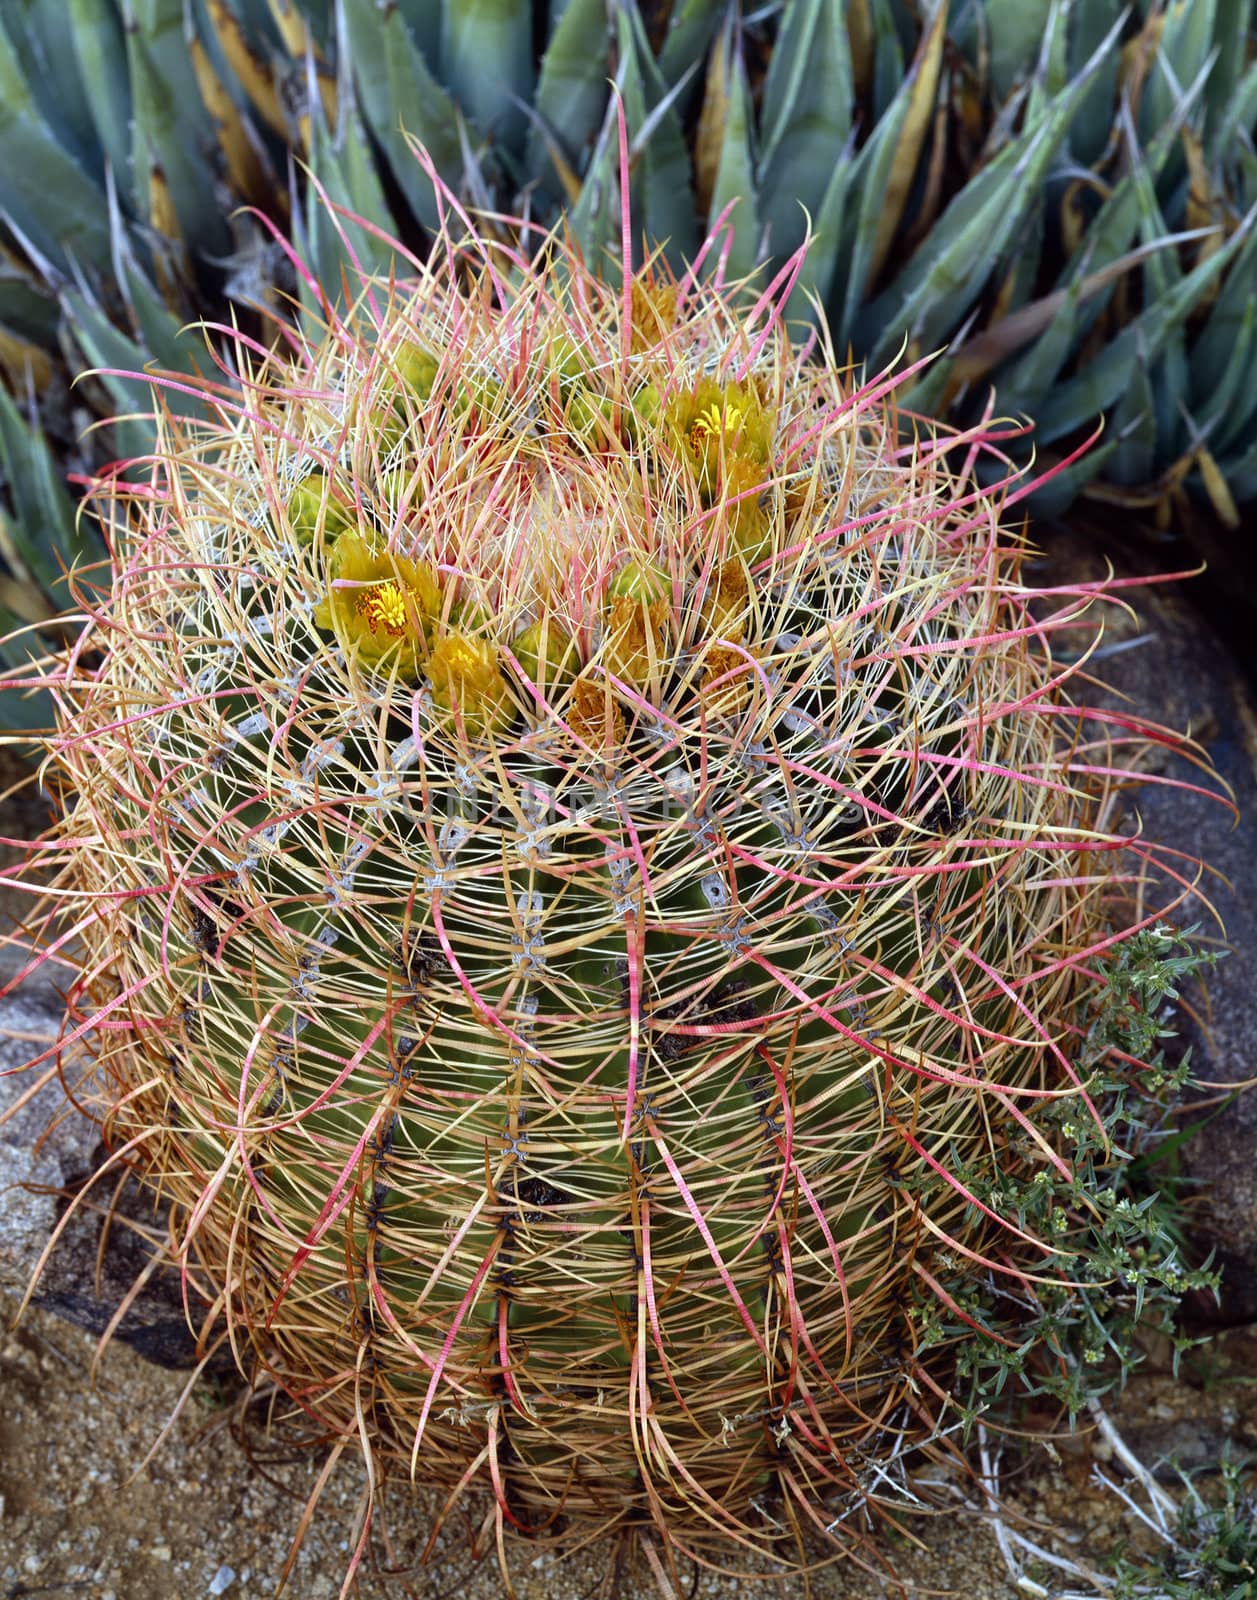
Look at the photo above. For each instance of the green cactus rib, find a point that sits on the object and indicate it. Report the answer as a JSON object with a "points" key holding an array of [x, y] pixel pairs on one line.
{"points": [[587, 866]]}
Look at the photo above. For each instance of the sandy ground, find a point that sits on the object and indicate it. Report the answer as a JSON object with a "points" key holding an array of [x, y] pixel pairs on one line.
{"points": [[81, 1516]]}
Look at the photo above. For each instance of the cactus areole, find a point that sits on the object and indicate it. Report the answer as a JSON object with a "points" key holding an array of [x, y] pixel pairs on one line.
{"points": [[582, 852]]}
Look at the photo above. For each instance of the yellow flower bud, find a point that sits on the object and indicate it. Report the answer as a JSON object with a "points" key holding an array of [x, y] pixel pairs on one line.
{"points": [[311, 503], [546, 653], [468, 684], [636, 622]]}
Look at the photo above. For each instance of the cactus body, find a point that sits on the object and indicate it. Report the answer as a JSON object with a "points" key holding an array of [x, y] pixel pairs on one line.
{"points": [[572, 905]]}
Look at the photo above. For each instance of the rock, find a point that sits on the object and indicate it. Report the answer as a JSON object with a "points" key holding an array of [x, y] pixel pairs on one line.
{"points": [[1164, 663], [49, 1151]]}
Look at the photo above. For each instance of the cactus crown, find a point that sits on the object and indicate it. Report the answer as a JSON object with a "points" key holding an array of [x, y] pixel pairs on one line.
{"points": [[588, 854]]}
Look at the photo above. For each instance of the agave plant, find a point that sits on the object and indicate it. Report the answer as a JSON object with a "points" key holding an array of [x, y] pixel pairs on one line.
{"points": [[589, 888]]}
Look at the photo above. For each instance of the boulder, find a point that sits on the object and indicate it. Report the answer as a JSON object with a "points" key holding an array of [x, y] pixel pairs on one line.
{"points": [[1163, 661]]}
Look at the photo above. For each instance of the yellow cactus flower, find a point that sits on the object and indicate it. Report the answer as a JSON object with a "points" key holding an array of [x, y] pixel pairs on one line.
{"points": [[468, 684], [744, 499], [381, 606], [712, 423]]}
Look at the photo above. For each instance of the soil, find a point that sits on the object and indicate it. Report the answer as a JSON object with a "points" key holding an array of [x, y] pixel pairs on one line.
{"points": [[81, 1515]]}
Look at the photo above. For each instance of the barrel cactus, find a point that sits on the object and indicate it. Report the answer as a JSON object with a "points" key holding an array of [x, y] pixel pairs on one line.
{"points": [[589, 881]]}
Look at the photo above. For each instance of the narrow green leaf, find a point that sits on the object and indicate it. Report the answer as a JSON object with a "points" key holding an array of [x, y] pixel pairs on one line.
{"points": [[104, 345], [49, 196], [735, 170], [691, 29], [805, 120], [170, 126], [939, 285], [816, 281], [1221, 399], [1214, 345], [1230, 40], [1051, 72], [346, 168], [870, 173], [486, 58], [44, 529], [1236, 121], [37, 32], [397, 92], [1090, 22], [1101, 384], [1134, 430], [96, 39], [571, 89], [663, 193], [1186, 39]]}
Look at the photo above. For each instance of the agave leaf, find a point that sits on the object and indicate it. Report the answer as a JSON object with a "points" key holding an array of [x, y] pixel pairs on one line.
{"points": [[1237, 120], [486, 58], [423, 23], [592, 216], [1239, 470], [1214, 346], [1221, 400], [105, 346], [1169, 376], [805, 118], [1052, 323], [170, 127], [254, 76], [47, 537], [1090, 22], [97, 42], [23, 361], [691, 29], [26, 308], [46, 192], [816, 280], [1134, 427], [918, 114], [1230, 40], [1052, 72], [345, 168], [870, 173], [399, 96], [724, 145], [241, 158], [939, 285], [1055, 498], [1016, 33], [666, 210], [1232, 430], [888, 58], [1186, 37], [1103, 381], [20, 710], [36, 32], [571, 87], [162, 336]]}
